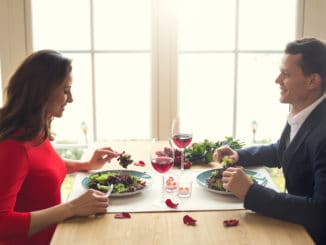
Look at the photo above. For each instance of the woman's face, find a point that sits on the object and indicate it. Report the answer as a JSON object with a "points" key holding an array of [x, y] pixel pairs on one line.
{"points": [[59, 98]]}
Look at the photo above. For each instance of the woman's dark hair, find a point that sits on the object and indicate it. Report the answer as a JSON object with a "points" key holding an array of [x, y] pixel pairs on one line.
{"points": [[24, 115], [313, 53]]}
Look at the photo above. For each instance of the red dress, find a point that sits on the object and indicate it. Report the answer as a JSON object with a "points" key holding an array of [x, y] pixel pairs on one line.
{"points": [[30, 179]]}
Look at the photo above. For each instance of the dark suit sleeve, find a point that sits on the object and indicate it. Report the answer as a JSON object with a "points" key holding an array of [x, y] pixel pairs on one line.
{"points": [[296, 209], [259, 155], [309, 211]]}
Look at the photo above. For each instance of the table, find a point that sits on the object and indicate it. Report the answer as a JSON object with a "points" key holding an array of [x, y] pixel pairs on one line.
{"points": [[167, 227]]}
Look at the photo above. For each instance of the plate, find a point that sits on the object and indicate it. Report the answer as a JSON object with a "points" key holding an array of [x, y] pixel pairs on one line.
{"points": [[138, 174], [203, 176]]}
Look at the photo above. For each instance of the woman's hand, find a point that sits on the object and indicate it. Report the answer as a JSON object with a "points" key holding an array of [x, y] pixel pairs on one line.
{"points": [[236, 181], [101, 156], [90, 203], [223, 151]]}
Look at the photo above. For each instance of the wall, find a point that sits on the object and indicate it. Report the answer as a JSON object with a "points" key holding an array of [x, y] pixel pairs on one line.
{"points": [[314, 19], [12, 35]]}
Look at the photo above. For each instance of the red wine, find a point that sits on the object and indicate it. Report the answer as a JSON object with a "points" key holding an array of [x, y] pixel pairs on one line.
{"points": [[182, 140], [162, 164]]}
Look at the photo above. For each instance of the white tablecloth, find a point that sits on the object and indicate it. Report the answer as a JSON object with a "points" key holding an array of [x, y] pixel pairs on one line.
{"points": [[146, 201]]}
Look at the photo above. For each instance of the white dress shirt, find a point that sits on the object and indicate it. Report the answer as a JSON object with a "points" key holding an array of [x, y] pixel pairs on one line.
{"points": [[297, 120]]}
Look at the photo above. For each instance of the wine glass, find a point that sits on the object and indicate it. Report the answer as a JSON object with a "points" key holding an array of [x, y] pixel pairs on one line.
{"points": [[161, 157], [181, 136]]}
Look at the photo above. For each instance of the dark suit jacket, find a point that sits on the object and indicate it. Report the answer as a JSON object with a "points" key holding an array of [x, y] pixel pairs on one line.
{"points": [[304, 166]]}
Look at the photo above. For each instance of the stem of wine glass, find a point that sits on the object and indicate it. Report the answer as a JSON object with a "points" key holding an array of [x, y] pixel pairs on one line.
{"points": [[162, 191], [182, 159]]}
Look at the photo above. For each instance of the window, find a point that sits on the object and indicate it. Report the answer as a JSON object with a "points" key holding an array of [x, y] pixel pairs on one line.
{"points": [[137, 63], [109, 42], [229, 55]]}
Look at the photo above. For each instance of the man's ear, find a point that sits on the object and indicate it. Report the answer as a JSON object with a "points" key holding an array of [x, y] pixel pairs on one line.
{"points": [[314, 81]]}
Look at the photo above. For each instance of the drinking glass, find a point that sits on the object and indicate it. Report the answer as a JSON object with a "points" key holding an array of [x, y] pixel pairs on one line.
{"points": [[181, 136], [161, 157]]}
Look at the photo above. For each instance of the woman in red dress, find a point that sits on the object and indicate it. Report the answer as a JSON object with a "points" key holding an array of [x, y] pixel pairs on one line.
{"points": [[31, 172]]}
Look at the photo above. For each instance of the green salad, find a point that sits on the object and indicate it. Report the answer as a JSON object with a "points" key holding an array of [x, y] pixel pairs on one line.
{"points": [[122, 182]]}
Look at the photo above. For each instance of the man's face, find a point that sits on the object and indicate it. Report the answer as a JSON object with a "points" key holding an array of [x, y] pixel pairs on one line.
{"points": [[292, 81]]}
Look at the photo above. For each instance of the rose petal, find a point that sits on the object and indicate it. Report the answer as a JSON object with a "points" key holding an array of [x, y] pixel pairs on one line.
{"points": [[187, 220], [186, 164], [171, 204], [140, 163], [231, 222], [123, 215]]}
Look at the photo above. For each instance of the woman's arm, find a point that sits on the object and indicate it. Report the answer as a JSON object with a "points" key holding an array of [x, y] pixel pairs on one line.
{"points": [[89, 203], [99, 158]]}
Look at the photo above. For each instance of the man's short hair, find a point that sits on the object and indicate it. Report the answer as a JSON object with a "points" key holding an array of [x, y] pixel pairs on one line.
{"points": [[313, 53]]}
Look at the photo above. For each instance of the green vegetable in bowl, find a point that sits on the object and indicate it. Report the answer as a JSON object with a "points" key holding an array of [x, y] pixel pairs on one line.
{"points": [[122, 182], [103, 188], [215, 180], [227, 162], [120, 188]]}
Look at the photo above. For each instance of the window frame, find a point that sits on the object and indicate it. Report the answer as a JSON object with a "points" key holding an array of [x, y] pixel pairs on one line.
{"points": [[164, 106]]}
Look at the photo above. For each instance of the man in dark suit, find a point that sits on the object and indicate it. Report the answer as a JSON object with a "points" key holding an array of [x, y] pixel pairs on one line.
{"points": [[300, 151]]}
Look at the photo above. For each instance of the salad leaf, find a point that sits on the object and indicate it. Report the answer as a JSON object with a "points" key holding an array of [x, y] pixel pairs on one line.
{"points": [[202, 152]]}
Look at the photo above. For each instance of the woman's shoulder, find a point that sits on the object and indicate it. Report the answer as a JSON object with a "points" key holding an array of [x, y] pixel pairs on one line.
{"points": [[13, 144], [15, 141]]}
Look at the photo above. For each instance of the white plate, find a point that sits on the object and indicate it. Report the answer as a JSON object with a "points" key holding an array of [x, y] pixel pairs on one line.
{"points": [[138, 174], [203, 176]]}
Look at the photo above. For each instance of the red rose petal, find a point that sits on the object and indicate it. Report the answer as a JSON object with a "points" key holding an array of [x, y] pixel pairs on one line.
{"points": [[171, 204], [186, 164], [231, 222], [140, 163], [187, 220], [123, 215]]}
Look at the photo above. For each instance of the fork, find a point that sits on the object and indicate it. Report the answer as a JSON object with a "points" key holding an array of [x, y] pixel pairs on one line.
{"points": [[109, 191]]}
